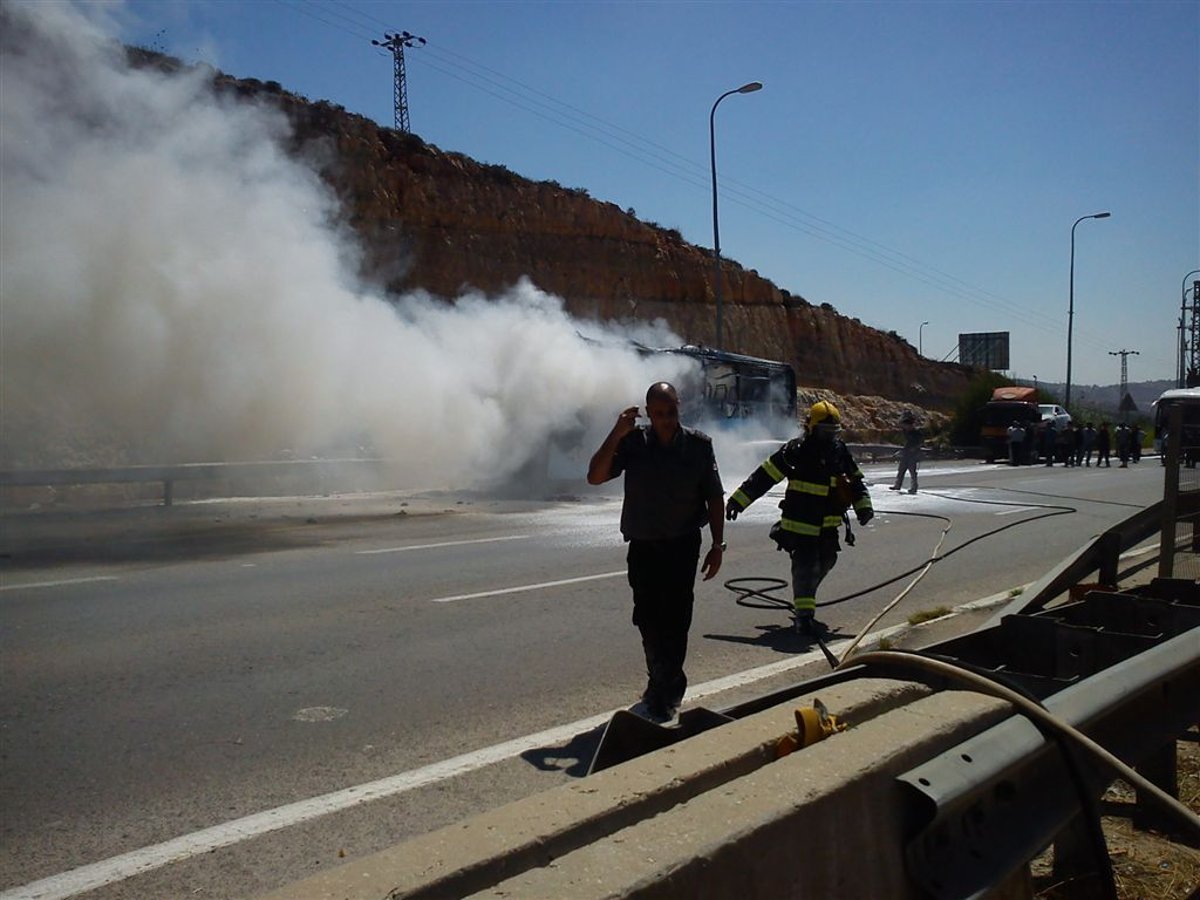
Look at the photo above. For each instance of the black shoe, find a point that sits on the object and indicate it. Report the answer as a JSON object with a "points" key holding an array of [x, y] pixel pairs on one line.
{"points": [[652, 711], [808, 625]]}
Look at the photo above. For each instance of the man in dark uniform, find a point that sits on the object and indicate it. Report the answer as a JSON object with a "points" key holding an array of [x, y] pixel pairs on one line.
{"points": [[672, 488], [823, 481]]}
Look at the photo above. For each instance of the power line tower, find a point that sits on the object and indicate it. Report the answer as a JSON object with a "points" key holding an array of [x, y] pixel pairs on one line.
{"points": [[1189, 338], [396, 42], [1124, 354]]}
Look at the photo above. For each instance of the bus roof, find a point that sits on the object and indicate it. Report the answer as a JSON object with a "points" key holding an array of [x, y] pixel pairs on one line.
{"points": [[1179, 395], [715, 355]]}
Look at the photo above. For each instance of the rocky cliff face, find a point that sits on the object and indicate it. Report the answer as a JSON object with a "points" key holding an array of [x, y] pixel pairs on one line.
{"points": [[443, 222]]}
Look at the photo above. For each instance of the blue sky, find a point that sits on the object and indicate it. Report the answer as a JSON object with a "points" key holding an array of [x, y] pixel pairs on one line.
{"points": [[905, 162]]}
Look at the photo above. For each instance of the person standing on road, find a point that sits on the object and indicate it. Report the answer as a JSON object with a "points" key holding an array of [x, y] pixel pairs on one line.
{"points": [[1089, 443], [1135, 443], [823, 482], [1016, 443], [1069, 444], [672, 488], [1049, 441], [910, 453], [1122, 440], [1103, 446]]}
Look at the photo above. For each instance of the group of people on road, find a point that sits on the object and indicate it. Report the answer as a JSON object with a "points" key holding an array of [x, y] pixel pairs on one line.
{"points": [[673, 489], [1073, 445]]}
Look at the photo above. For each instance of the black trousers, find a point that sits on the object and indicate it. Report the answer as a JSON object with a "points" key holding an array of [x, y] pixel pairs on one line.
{"points": [[663, 577]]}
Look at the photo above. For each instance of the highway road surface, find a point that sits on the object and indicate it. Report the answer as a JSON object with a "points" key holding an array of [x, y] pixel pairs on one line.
{"points": [[218, 698]]}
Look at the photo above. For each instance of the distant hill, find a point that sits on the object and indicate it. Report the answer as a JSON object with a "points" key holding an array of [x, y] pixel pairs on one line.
{"points": [[1107, 397]]}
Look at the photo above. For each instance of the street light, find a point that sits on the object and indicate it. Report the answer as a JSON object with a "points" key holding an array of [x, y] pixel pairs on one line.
{"points": [[920, 344], [749, 88], [1071, 302]]}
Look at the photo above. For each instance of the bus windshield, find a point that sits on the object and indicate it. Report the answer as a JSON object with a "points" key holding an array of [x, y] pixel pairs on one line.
{"points": [[1189, 400]]}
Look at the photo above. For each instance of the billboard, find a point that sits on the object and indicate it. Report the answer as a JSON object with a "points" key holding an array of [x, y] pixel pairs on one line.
{"points": [[984, 349]]}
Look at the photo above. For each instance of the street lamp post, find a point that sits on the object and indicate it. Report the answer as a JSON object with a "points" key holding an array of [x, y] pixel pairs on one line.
{"points": [[1071, 302], [748, 88], [920, 342]]}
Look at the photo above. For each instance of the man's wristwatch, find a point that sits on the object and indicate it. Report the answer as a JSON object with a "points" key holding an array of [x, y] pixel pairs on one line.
{"points": [[722, 545]]}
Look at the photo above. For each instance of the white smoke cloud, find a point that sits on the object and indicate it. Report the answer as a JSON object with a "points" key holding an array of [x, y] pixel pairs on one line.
{"points": [[172, 289]]}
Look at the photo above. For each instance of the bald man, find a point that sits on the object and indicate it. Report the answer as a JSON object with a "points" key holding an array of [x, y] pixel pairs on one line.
{"points": [[672, 489]]}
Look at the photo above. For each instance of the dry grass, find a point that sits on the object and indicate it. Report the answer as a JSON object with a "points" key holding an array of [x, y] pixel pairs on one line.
{"points": [[1146, 865], [927, 615]]}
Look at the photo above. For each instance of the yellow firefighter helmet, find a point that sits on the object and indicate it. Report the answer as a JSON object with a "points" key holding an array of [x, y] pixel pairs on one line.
{"points": [[824, 413]]}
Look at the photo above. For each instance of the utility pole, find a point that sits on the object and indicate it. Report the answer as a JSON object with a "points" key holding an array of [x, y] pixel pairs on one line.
{"points": [[396, 42], [1124, 370]]}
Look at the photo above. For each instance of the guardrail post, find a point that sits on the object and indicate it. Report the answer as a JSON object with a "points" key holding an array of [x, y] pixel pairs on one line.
{"points": [[168, 491], [1109, 549], [1159, 767], [1166, 544], [1074, 852]]}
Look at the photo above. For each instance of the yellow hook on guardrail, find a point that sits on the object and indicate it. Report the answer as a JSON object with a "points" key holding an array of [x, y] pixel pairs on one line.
{"points": [[814, 723]]}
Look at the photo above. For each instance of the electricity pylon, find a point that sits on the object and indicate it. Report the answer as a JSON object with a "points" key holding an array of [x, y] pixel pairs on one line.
{"points": [[396, 42]]}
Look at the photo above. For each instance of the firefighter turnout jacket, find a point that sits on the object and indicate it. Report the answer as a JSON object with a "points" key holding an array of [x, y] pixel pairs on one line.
{"points": [[823, 481]]}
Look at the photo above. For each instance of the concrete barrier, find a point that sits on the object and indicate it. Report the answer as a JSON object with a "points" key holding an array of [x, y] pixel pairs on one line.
{"points": [[716, 815]]}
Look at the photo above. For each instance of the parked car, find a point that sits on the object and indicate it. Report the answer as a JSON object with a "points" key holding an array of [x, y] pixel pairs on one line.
{"points": [[1054, 412]]}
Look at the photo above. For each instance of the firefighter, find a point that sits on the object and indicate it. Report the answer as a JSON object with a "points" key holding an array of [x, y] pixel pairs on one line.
{"points": [[823, 482]]}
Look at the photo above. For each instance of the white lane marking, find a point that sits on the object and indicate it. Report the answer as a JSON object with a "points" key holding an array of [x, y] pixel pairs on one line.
{"points": [[127, 865], [319, 714], [1140, 551], [61, 583], [511, 537], [1014, 510], [527, 587]]}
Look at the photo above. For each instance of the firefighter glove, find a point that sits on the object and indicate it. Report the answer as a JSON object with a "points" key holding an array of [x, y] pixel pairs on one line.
{"points": [[865, 515], [732, 509]]}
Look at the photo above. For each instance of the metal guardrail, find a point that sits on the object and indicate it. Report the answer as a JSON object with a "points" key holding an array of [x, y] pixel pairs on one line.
{"points": [[1122, 668], [1099, 559], [169, 474]]}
